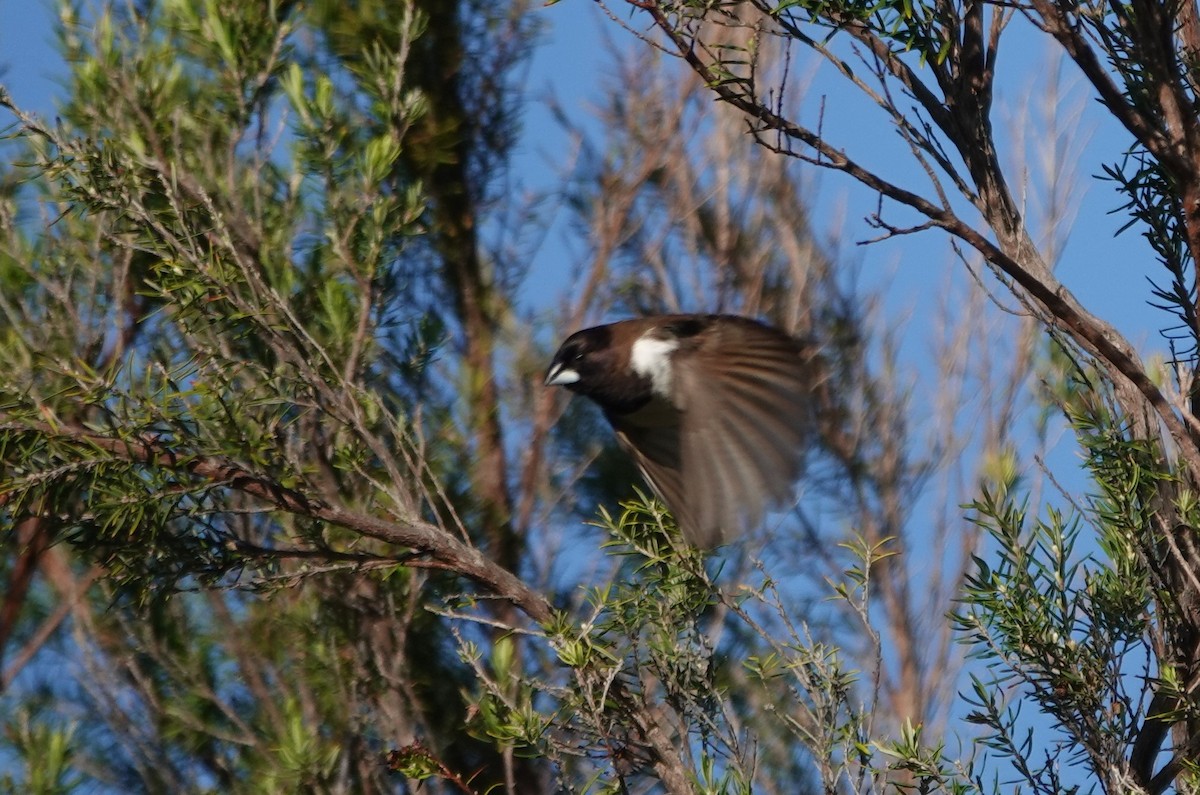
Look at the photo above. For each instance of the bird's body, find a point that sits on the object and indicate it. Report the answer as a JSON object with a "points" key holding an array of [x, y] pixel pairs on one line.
{"points": [[712, 409]]}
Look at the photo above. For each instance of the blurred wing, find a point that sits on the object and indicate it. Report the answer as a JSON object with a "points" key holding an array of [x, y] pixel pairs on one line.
{"points": [[743, 394], [655, 451]]}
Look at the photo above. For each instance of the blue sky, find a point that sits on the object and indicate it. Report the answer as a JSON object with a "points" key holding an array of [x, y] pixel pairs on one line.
{"points": [[27, 55], [1107, 273]]}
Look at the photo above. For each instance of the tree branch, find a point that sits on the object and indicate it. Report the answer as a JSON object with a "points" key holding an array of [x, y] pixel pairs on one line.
{"points": [[447, 552], [1059, 305], [1053, 19]]}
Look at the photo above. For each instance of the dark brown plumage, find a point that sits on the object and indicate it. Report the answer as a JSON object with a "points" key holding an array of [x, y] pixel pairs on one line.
{"points": [[712, 408]]}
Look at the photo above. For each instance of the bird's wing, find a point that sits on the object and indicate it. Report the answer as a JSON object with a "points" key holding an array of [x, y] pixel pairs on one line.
{"points": [[743, 395], [655, 450]]}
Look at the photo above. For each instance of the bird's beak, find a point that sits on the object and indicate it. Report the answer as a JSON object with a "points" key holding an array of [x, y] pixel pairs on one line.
{"points": [[560, 375]]}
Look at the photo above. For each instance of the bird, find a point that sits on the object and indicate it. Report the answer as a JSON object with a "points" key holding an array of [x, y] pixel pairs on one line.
{"points": [[711, 408]]}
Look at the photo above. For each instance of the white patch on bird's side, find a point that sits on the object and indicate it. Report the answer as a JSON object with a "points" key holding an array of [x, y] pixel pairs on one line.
{"points": [[651, 357]]}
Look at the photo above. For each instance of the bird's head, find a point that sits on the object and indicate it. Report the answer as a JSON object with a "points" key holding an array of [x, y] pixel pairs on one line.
{"points": [[583, 360], [606, 364]]}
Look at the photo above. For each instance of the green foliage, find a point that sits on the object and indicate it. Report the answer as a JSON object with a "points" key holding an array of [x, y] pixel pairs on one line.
{"points": [[927, 767], [651, 634], [306, 760], [1066, 610], [203, 291], [1149, 185], [908, 26], [243, 283], [217, 281], [1151, 200], [46, 755]]}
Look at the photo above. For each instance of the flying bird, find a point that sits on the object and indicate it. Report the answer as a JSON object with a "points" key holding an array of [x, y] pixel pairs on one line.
{"points": [[713, 409]]}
